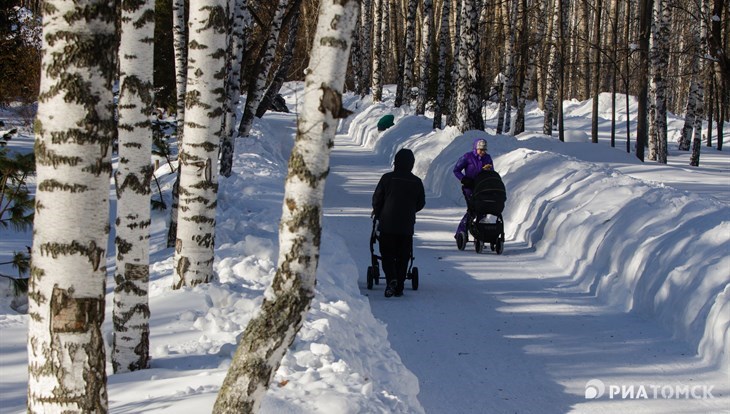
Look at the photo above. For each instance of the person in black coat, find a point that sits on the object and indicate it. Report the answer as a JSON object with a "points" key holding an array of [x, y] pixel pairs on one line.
{"points": [[397, 198]]}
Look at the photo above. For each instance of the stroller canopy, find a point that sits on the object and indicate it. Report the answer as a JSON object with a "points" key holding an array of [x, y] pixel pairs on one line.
{"points": [[489, 194]]}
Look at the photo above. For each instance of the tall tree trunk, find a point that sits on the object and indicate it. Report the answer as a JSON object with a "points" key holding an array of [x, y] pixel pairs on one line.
{"points": [[627, 47], [258, 86], [614, 68], [660, 61], [510, 52], [532, 49], [469, 103], [456, 38], [75, 128], [273, 329], [645, 7], [286, 60], [181, 67], [443, 50], [596, 87], [550, 115], [131, 344], [410, 45], [236, 45], [424, 71], [366, 28], [377, 62], [193, 260], [700, 108]]}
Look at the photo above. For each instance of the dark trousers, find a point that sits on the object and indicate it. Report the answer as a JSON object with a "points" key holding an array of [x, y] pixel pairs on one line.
{"points": [[395, 253]]}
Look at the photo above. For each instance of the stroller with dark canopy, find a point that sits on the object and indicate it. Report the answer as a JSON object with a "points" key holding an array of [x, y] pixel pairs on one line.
{"points": [[487, 199], [373, 272]]}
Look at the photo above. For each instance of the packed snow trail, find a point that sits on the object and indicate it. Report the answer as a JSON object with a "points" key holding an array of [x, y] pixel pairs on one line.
{"points": [[496, 333]]}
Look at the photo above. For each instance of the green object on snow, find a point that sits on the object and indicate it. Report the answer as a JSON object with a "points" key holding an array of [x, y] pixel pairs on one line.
{"points": [[385, 122]]}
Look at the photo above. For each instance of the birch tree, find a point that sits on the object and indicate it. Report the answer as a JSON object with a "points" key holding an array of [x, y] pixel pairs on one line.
{"points": [[366, 49], [694, 159], [552, 72], [425, 54], [130, 349], [377, 56], [660, 58], [596, 74], [193, 259], [273, 329], [181, 62], [468, 101], [236, 46], [74, 128], [410, 44], [532, 53], [258, 87], [509, 78], [443, 49]]}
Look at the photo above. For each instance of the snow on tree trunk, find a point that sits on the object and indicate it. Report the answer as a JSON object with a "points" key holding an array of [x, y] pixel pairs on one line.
{"points": [[532, 53], [181, 60], [193, 260], [410, 52], [660, 61], [256, 92], [443, 50], [468, 101], [510, 51], [694, 159], [236, 45], [552, 73], [273, 329], [423, 72], [377, 82], [75, 128], [130, 349]]}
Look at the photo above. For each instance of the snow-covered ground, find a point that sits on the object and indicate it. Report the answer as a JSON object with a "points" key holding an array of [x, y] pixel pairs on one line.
{"points": [[614, 282]]}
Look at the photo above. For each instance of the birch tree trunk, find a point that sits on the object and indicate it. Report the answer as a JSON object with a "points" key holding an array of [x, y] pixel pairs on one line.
{"points": [[181, 60], [366, 25], [193, 260], [443, 49], [643, 81], [130, 349], [468, 104], [533, 51], [273, 329], [258, 88], [456, 39], [75, 128], [596, 81], [694, 159], [425, 56], [660, 60], [409, 50], [236, 45], [510, 52], [552, 73], [377, 81]]}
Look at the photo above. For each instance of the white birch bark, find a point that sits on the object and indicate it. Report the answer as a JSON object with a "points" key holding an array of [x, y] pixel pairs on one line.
{"points": [[366, 48], [236, 43], [130, 349], [259, 88], [694, 159], [410, 53], [660, 60], [456, 39], [272, 331], [377, 58], [532, 54], [552, 73], [510, 52], [444, 42], [425, 56], [193, 258], [468, 101], [74, 128]]}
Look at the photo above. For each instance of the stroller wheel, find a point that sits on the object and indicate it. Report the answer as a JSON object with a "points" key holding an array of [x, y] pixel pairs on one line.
{"points": [[460, 240], [500, 246], [376, 274], [414, 278], [370, 277], [478, 246]]}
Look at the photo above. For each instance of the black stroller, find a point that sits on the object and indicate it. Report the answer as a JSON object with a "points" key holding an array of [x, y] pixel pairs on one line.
{"points": [[373, 273], [487, 198]]}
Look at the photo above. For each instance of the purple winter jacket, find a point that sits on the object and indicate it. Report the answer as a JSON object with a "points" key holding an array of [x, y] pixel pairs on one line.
{"points": [[470, 164]]}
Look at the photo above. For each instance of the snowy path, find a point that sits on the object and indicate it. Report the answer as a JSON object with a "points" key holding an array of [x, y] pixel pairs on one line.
{"points": [[520, 343]]}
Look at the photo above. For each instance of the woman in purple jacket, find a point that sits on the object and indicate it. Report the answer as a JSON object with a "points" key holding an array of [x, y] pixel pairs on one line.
{"points": [[467, 168]]}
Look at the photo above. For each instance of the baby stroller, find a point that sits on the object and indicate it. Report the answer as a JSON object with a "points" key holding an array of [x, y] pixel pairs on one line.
{"points": [[487, 199], [373, 273]]}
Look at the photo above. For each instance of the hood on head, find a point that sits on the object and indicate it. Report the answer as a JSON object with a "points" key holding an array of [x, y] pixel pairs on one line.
{"points": [[477, 144], [404, 160]]}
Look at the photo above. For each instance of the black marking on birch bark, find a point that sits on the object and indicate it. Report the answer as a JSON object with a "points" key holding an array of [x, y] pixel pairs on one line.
{"points": [[183, 265], [134, 182], [94, 253], [332, 101], [54, 185], [123, 247], [204, 240], [44, 156], [298, 167]]}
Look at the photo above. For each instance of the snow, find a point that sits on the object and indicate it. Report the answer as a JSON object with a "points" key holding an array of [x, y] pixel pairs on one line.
{"points": [[614, 281]]}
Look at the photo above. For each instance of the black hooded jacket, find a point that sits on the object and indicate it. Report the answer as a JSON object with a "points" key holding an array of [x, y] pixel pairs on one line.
{"points": [[398, 196]]}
